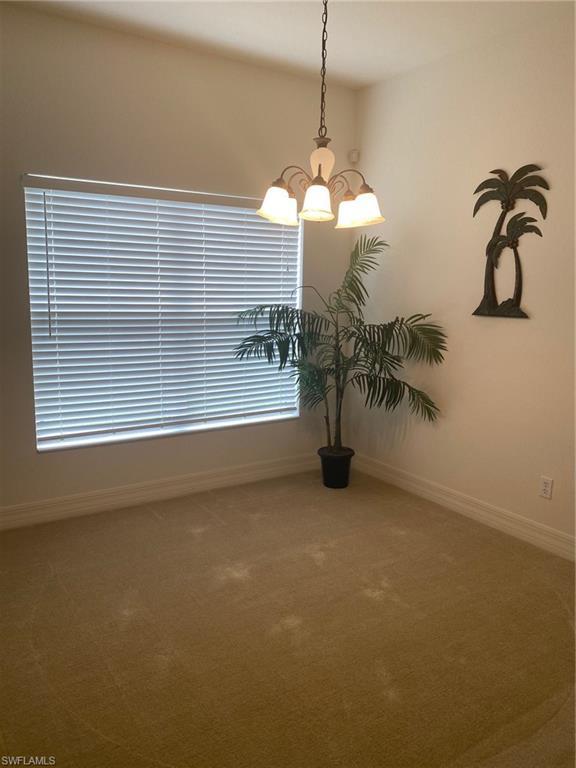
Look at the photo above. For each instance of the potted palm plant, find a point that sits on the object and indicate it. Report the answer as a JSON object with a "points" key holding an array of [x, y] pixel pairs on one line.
{"points": [[335, 349]]}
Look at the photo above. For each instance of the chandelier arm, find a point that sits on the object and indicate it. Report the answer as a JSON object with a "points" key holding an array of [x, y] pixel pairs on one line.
{"points": [[336, 185], [341, 175], [302, 181], [299, 171], [303, 184]]}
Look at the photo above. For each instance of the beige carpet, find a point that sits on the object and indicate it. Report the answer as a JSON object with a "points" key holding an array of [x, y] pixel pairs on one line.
{"points": [[282, 624]]}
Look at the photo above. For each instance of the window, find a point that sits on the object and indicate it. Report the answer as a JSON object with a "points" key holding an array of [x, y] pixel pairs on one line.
{"points": [[134, 305]]}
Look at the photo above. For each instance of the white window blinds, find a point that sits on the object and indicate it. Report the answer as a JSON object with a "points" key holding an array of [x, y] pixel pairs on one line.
{"points": [[134, 305]]}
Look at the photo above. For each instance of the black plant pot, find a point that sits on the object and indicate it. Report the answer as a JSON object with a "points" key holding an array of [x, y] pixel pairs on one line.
{"points": [[335, 466]]}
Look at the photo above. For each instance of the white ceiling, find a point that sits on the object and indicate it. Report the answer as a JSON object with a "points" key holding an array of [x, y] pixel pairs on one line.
{"points": [[368, 41]]}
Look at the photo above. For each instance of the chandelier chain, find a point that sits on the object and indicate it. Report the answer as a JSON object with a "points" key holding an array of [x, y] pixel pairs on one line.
{"points": [[322, 128]]}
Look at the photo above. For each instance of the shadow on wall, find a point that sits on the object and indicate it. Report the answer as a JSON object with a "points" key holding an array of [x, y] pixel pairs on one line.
{"points": [[393, 427]]}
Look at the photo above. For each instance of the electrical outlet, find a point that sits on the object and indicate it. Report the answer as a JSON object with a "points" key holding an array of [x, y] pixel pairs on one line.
{"points": [[546, 484]]}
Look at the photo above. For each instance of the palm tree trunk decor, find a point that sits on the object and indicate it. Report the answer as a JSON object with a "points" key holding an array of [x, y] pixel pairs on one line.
{"points": [[507, 190], [517, 298], [330, 351]]}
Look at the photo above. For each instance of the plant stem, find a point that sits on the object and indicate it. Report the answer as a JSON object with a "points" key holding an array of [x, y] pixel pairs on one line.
{"points": [[316, 291], [339, 393], [338, 440], [327, 420]]}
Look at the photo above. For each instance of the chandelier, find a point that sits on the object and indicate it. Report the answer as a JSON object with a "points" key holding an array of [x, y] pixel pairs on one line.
{"points": [[356, 209]]}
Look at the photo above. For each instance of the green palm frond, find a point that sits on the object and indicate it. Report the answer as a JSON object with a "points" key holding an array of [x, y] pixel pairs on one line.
{"points": [[352, 294], [346, 364], [375, 359], [290, 334], [269, 345], [413, 338], [388, 392], [253, 314], [379, 391], [286, 318], [313, 382], [421, 404], [422, 341], [326, 356]]}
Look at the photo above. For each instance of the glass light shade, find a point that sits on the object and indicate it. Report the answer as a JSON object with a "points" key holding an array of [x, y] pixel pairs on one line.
{"points": [[322, 157], [317, 205], [291, 211], [367, 210], [278, 207], [347, 214], [273, 203]]}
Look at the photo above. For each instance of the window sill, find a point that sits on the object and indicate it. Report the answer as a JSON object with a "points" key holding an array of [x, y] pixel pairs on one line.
{"points": [[154, 434]]}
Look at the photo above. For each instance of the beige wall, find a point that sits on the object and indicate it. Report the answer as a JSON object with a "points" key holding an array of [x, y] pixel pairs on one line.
{"points": [[79, 100], [506, 389], [84, 101]]}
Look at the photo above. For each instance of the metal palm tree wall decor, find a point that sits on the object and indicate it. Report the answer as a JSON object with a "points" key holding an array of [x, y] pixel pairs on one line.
{"points": [[507, 190]]}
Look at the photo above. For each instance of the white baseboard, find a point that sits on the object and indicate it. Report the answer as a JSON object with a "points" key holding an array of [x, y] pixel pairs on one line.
{"points": [[31, 513], [541, 535], [18, 515]]}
